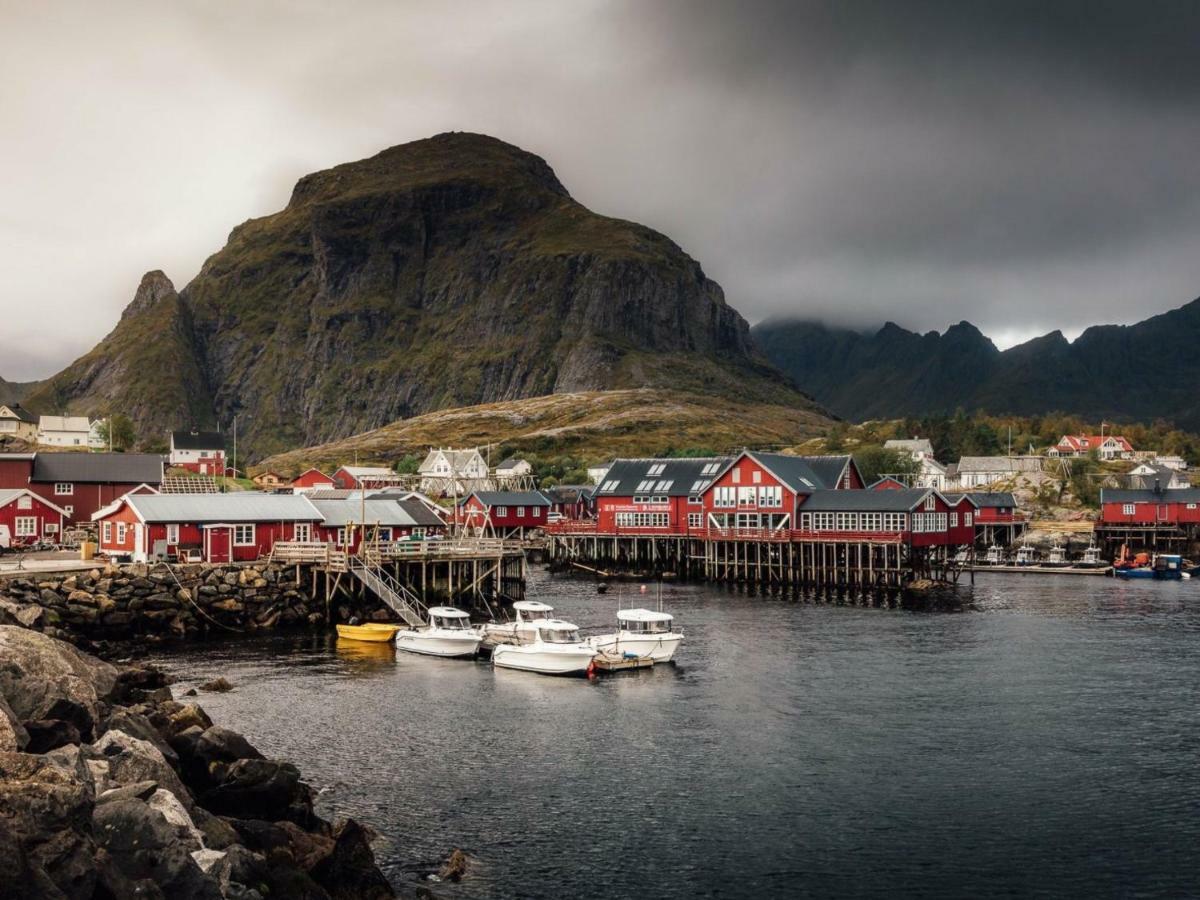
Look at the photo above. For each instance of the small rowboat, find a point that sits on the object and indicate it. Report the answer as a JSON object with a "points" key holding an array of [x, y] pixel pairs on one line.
{"points": [[375, 632]]}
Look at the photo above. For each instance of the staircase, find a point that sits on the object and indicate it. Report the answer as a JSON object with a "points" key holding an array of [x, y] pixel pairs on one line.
{"points": [[402, 601]]}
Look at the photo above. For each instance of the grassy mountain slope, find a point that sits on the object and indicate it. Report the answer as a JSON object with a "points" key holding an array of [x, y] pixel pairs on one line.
{"points": [[450, 271], [593, 426], [16, 391], [146, 368], [1135, 372]]}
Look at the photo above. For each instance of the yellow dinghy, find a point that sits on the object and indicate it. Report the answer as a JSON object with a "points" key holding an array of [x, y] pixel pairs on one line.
{"points": [[374, 632]]}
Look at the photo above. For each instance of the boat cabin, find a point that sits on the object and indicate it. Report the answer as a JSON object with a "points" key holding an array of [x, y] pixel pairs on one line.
{"points": [[644, 621], [1026, 556], [995, 555], [1058, 555], [1091, 556], [532, 611], [556, 631], [449, 617]]}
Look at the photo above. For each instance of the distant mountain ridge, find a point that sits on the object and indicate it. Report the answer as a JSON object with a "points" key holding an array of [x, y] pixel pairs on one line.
{"points": [[15, 391], [442, 273], [1144, 371]]}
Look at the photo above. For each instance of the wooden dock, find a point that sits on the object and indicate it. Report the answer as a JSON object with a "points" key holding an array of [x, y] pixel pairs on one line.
{"points": [[607, 662], [1043, 570]]}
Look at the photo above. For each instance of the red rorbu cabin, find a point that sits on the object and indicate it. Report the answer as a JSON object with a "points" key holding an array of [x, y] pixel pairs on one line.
{"points": [[1179, 507], [82, 483], [507, 513], [26, 518], [920, 517], [350, 478], [654, 496], [219, 528], [313, 479], [765, 490]]}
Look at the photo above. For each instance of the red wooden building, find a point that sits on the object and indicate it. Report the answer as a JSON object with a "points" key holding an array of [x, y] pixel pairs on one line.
{"points": [[505, 513], [221, 528], [355, 477], [766, 490], [202, 452], [26, 518], [920, 517], [81, 483], [654, 496], [312, 479], [1180, 507]]}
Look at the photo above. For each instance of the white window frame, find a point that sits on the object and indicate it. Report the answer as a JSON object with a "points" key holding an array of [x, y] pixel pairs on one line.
{"points": [[122, 532], [969, 519], [500, 510], [302, 528], [1128, 509], [106, 532], [520, 512], [536, 512], [25, 526], [173, 535], [64, 489], [238, 531]]}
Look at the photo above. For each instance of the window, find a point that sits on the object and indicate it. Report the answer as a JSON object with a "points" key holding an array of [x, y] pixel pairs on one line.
{"points": [[737, 475], [501, 510], [823, 521], [341, 537], [756, 477], [663, 499], [63, 489], [745, 496], [243, 535], [69, 509], [1128, 509], [969, 519], [953, 520], [609, 487], [172, 534], [656, 469], [26, 526], [121, 532], [107, 532], [697, 486], [871, 521], [805, 521], [847, 522], [25, 502], [536, 512], [894, 522], [302, 532], [520, 512], [723, 497], [642, 520], [646, 485], [384, 535], [695, 520], [418, 534], [664, 485], [695, 499], [930, 503], [1191, 506], [770, 495], [711, 469]]}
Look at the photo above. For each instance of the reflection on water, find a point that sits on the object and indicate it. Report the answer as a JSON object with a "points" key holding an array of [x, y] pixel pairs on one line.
{"points": [[1044, 740]]}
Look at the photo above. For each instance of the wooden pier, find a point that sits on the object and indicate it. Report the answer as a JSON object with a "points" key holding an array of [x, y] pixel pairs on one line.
{"points": [[410, 575], [783, 558]]}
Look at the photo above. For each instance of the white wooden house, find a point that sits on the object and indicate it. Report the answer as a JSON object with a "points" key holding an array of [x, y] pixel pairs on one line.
{"points": [[18, 423], [64, 431], [446, 471]]}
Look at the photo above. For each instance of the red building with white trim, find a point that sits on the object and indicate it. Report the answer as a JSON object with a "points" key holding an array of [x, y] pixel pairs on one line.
{"points": [[765, 490], [506, 513], [312, 479], [202, 452], [919, 517], [81, 483], [26, 518]]}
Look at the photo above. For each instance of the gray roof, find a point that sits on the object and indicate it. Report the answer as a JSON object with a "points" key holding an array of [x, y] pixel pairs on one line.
{"points": [[985, 499], [1179, 495], [567, 493], [197, 440], [511, 463], [20, 412], [865, 501], [1008, 464], [242, 506], [99, 468], [804, 473], [331, 493], [678, 477], [510, 498], [392, 513]]}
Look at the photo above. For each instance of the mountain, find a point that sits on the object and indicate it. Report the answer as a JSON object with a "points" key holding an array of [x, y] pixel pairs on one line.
{"points": [[589, 427], [147, 368], [1138, 372], [15, 391], [446, 272]]}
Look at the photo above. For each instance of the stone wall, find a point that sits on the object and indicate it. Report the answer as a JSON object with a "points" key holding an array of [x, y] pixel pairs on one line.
{"points": [[138, 601]]}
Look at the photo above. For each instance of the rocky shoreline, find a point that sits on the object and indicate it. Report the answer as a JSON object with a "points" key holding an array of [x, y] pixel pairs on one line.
{"points": [[109, 788]]}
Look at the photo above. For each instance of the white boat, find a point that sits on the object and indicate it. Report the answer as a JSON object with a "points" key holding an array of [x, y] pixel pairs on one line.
{"points": [[449, 633], [521, 629], [1026, 556], [995, 555], [555, 649], [642, 633]]}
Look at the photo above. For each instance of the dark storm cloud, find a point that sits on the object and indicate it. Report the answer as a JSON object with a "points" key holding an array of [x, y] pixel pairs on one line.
{"points": [[1026, 166]]}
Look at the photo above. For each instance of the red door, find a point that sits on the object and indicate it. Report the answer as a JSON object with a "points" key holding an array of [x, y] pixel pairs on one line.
{"points": [[219, 540]]}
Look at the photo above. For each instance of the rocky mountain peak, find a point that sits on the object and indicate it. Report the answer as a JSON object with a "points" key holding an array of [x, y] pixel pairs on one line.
{"points": [[154, 287]]}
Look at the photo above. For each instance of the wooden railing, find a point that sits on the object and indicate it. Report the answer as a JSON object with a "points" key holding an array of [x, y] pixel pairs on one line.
{"points": [[770, 535], [317, 552]]}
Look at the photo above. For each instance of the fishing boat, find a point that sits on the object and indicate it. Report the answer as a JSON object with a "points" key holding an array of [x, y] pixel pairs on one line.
{"points": [[642, 633], [528, 613], [1026, 556], [449, 633], [1057, 558], [373, 632], [994, 556], [1162, 567], [1091, 559], [555, 649]]}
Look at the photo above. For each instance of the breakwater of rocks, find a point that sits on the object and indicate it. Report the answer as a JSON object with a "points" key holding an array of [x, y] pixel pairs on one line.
{"points": [[109, 788], [149, 603]]}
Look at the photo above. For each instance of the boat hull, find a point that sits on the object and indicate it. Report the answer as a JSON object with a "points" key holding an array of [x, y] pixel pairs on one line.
{"points": [[373, 634], [449, 646], [660, 648], [543, 661]]}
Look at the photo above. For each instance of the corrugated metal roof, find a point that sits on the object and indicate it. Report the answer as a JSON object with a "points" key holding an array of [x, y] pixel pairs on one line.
{"points": [[986, 499], [99, 468], [999, 464], [64, 423], [865, 501], [368, 471], [393, 513], [243, 506]]}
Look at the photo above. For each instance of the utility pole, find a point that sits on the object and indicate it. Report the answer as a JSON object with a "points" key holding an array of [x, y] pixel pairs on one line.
{"points": [[234, 453]]}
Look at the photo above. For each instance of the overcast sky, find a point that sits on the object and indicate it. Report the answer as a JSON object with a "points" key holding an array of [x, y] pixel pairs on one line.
{"points": [[1024, 166]]}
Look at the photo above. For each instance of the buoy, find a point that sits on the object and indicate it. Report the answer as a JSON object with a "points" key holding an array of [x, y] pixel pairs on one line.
{"points": [[591, 669], [642, 589]]}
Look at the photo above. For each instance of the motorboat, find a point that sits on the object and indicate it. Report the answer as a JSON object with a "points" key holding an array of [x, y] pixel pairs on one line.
{"points": [[373, 632], [1163, 567], [1026, 556], [995, 555], [555, 649], [449, 633], [641, 633], [1057, 557], [527, 614], [1091, 559]]}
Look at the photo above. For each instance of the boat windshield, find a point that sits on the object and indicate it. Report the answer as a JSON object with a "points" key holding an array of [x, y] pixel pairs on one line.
{"points": [[634, 627], [532, 615], [454, 622], [560, 635]]}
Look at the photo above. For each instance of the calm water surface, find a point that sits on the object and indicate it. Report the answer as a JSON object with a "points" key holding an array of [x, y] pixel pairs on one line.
{"points": [[1045, 740]]}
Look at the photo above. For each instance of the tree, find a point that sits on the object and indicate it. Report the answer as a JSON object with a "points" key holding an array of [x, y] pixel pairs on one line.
{"points": [[118, 432], [875, 461]]}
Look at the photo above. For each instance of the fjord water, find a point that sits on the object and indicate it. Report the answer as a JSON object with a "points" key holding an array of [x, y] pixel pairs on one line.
{"points": [[1043, 740]]}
